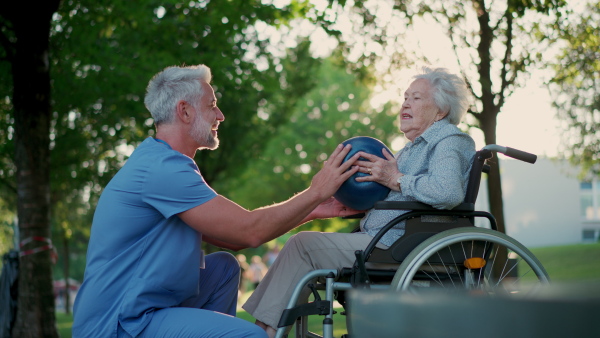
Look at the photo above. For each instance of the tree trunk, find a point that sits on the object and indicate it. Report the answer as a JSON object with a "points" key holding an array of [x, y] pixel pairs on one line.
{"points": [[31, 101], [488, 116], [488, 120]]}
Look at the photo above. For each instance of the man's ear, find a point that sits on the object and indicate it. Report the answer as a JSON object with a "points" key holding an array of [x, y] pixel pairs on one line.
{"points": [[182, 111]]}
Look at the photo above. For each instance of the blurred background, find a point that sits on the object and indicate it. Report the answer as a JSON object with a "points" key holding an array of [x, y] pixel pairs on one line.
{"points": [[294, 78]]}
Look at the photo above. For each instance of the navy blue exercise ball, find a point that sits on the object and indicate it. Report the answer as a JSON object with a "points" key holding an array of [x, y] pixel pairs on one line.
{"points": [[362, 195]]}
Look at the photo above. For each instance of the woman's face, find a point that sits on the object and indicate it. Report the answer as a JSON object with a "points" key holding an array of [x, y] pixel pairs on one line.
{"points": [[418, 111]]}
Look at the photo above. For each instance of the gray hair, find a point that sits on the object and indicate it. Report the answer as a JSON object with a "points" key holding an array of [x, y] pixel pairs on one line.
{"points": [[172, 85], [450, 92]]}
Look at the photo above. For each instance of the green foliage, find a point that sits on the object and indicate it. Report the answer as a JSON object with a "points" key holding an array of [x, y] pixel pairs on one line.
{"points": [[519, 7], [495, 43], [7, 214], [577, 88], [102, 57], [7, 227], [335, 110]]}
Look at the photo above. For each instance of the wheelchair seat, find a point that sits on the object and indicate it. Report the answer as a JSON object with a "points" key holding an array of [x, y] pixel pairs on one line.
{"points": [[370, 265], [449, 254]]}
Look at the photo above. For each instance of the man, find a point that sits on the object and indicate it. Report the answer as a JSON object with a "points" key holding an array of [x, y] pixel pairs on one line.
{"points": [[146, 275]]}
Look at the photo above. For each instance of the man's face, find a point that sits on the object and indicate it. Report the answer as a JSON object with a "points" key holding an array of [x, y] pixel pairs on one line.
{"points": [[207, 119]]}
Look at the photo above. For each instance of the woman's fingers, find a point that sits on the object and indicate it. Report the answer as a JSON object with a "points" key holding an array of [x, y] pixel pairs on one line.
{"points": [[376, 167], [387, 154], [369, 157]]}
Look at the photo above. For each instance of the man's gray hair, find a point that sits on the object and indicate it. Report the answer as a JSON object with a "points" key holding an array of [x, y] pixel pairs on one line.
{"points": [[170, 86], [450, 92]]}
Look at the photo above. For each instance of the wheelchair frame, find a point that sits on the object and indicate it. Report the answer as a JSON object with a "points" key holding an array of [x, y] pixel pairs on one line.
{"points": [[411, 254]]}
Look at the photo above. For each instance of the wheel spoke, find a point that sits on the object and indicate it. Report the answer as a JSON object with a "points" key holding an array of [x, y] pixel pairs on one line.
{"points": [[484, 266]]}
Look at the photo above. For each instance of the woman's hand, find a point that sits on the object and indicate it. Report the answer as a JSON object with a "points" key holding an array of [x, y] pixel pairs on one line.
{"points": [[380, 170]]}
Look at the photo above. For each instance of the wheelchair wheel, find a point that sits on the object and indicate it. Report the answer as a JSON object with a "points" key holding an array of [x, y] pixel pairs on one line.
{"points": [[475, 259]]}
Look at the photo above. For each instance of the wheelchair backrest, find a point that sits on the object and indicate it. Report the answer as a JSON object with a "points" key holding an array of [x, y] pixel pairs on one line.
{"points": [[479, 166]]}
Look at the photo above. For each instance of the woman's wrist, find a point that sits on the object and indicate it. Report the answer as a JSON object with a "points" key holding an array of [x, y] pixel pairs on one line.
{"points": [[395, 182]]}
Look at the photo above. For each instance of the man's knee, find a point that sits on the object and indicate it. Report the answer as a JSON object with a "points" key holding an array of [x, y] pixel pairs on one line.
{"points": [[258, 332], [228, 260]]}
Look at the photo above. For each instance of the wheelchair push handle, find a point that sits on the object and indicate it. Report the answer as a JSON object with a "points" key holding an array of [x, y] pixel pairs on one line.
{"points": [[512, 152]]}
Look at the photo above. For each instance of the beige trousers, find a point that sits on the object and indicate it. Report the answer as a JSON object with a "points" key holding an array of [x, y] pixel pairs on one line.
{"points": [[303, 253]]}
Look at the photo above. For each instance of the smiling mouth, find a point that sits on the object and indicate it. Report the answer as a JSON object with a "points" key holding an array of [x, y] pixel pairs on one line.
{"points": [[406, 116]]}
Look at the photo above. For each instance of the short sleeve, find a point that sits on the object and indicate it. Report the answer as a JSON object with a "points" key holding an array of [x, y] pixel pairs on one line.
{"points": [[175, 184]]}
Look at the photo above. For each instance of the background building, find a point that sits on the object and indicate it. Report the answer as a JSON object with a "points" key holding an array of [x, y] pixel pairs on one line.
{"points": [[545, 204]]}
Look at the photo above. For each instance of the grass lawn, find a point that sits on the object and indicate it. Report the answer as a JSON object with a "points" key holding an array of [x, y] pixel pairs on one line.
{"points": [[65, 322], [579, 262], [564, 264]]}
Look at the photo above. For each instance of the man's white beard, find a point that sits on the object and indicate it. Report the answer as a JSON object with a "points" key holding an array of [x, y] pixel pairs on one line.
{"points": [[201, 133]]}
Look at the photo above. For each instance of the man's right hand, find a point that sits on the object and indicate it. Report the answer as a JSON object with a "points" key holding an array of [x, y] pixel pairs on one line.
{"points": [[334, 172], [232, 226]]}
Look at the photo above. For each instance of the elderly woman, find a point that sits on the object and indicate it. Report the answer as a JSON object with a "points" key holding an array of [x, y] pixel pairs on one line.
{"points": [[432, 168]]}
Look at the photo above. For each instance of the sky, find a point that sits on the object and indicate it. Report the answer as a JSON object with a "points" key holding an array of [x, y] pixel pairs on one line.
{"points": [[527, 120]]}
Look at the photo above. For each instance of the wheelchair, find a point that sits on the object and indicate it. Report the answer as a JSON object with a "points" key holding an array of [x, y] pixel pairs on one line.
{"points": [[431, 255]]}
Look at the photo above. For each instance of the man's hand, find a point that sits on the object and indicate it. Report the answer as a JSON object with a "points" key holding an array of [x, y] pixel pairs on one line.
{"points": [[239, 227], [334, 173], [332, 208]]}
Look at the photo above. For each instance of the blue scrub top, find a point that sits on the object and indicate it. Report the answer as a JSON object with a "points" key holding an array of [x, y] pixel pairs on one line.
{"points": [[141, 255]]}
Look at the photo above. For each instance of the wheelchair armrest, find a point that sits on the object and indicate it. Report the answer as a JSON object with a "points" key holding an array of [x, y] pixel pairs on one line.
{"points": [[418, 206], [417, 209]]}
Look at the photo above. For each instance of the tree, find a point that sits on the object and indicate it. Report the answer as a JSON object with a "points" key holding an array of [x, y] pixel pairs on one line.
{"points": [[336, 109], [76, 110], [576, 87], [104, 56], [25, 41], [510, 29], [495, 44]]}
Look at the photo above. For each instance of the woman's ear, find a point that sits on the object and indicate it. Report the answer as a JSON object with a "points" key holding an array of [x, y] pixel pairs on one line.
{"points": [[441, 115]]}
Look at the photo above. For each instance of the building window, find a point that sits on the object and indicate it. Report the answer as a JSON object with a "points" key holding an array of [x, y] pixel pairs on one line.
{"points": [[590, 235], [590, 200]]}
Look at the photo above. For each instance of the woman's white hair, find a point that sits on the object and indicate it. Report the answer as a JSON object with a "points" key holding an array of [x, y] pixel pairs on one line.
{"points": [[450, 92], [170, 86]]}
